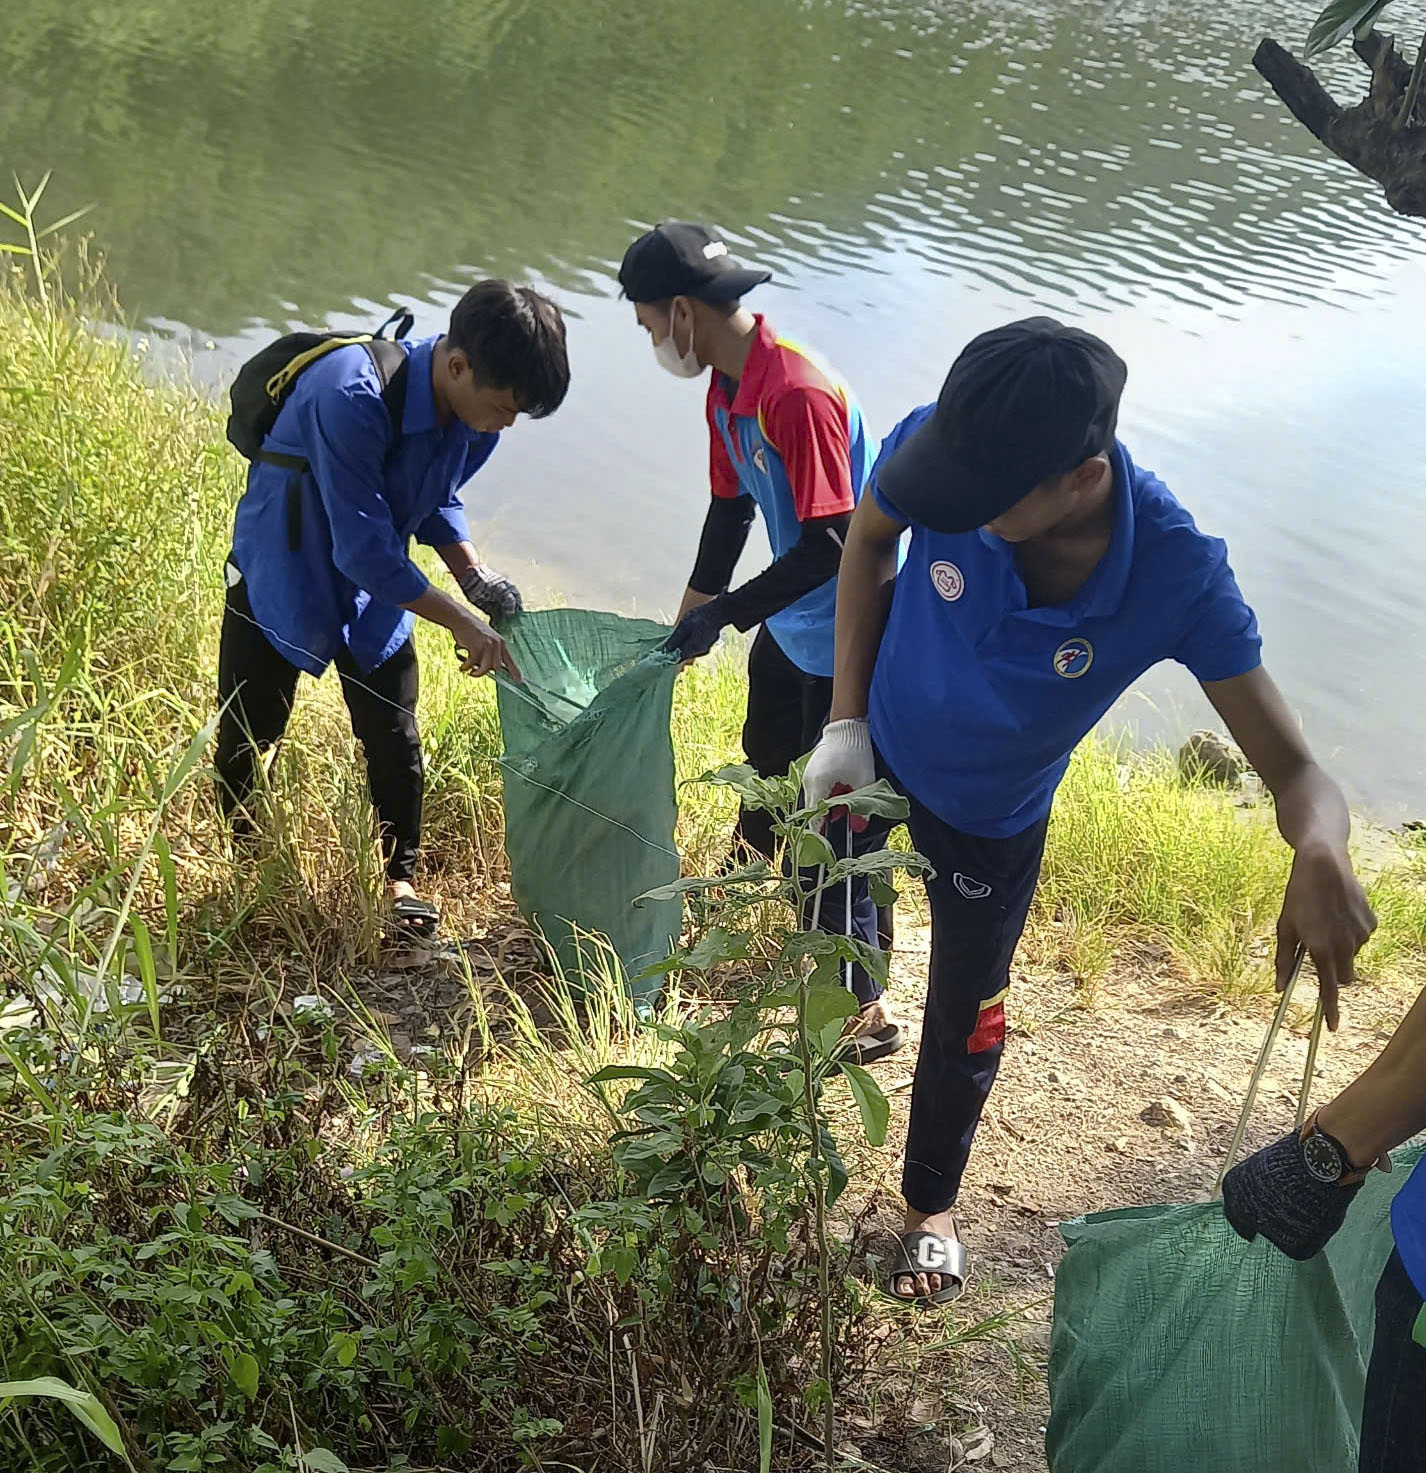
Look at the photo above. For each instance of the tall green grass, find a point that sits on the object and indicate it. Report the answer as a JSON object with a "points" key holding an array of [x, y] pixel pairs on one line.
{"points": [[116, 500], [1136, 852]]}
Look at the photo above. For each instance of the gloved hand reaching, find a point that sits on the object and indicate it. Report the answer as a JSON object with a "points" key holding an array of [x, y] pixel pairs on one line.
{"points": [[1273, 1193], [492, 593], [697, 632], [841, 762]]}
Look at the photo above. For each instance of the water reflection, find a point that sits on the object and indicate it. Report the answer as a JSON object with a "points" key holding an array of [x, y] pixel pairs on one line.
{"points": [[281, 160], [913, 173]]}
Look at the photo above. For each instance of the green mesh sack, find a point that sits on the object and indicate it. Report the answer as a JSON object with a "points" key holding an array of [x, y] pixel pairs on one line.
{"points": [[589, 785], [1177, 1345]]}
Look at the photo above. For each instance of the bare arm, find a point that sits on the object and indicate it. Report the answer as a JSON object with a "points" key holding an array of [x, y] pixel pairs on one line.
{"points": [[459, 557], [864, 588], [484, 649], [1386, 1104], [1324, 907]]}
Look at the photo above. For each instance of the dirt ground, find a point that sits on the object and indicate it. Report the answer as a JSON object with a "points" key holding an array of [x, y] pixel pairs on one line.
{"points": [[1065, 1132]]}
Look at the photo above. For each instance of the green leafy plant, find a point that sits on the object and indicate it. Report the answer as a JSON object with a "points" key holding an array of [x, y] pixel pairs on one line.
{"points": [[87, 1408], [733, 1131]]}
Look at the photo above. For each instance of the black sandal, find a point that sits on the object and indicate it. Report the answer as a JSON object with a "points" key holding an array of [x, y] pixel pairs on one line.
{"points": [[870, 1048], [415, 919], [920, 1252]]}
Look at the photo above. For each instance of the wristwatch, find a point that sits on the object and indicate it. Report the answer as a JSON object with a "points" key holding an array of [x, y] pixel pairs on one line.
{"points": [[1326, 1157]]}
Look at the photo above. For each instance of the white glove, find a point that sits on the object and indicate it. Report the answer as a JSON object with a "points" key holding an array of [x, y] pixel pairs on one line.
{"points": [[843, 760]]}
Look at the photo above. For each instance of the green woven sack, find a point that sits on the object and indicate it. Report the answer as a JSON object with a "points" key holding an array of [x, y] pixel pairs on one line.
{"points": [[589, 785], [1177, 1345]]}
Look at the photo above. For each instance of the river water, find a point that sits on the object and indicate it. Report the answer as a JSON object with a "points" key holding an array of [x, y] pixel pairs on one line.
{"points": [[913, 173]]}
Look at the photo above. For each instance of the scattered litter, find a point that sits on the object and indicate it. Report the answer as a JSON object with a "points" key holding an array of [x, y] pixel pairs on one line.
{"points": [[92, 990], [364, 1059], [16, 1012], [310, 1010]]}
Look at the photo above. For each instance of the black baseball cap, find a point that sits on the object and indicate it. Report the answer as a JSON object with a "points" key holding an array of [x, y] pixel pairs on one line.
{"points": [[677, 259], [1022, 403]]}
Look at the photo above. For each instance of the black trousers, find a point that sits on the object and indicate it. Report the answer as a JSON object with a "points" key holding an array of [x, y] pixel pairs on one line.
{"points": [[1394, 1412], [980, 898], [787, 709], [257, 686]]}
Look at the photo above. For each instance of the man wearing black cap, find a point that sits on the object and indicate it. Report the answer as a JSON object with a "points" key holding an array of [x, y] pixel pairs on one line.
{"points": [[786, 438], [1045, 573]]}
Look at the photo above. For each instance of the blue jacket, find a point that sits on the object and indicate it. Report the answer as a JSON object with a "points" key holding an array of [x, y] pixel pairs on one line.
{"points": [[362, 500]]}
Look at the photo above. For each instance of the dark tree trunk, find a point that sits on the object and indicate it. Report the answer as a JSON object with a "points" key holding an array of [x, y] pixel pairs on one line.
{"points": [[1373, 137]]}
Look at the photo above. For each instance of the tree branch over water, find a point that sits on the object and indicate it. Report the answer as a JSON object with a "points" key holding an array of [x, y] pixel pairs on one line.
{"points": [[1381, 136]]}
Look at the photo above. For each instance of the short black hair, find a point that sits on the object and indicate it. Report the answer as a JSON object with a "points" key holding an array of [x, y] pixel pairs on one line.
{"points": [[515, 340]]}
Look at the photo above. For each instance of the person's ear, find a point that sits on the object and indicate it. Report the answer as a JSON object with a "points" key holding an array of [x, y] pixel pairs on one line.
{"points": [[1088, 474]]}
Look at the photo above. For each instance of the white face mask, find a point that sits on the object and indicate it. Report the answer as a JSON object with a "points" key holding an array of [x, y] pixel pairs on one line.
{"points": [[680, 365]]}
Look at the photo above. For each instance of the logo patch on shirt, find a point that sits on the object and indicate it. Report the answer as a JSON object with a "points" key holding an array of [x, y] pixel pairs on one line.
{"points": [[760, 460], [1073, 658], [948, 581]]}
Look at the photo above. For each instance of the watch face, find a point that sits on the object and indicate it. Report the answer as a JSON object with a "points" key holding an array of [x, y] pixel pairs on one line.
{"points": [[1323, 1158]]}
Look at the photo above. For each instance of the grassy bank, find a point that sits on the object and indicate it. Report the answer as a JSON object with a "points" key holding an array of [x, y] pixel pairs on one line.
{"points": [[260, 1257], [115, 513]]}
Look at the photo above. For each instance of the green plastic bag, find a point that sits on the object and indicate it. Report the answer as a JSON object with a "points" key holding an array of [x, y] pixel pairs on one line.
{"points": [[589, 786], [1177, 1345]]}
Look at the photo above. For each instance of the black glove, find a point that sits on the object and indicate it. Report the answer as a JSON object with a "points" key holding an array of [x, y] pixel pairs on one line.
{"points": [[697, 632], [492, 593], [1273, 1193]]}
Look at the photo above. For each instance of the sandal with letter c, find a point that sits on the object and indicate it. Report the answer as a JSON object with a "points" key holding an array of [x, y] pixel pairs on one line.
{"points": [[921, 1252]]}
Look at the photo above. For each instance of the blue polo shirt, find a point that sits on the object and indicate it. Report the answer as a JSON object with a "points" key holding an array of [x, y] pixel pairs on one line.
{"points": [[1408, 1226], [363, 499], [978, 700]]}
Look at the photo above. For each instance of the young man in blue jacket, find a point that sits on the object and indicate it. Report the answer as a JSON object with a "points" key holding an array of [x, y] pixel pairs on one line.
{"points": [[1045, 573], [320, 570]]}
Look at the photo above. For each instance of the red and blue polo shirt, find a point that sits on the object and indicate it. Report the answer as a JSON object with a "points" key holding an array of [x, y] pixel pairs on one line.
{"points": [[790, 434]]}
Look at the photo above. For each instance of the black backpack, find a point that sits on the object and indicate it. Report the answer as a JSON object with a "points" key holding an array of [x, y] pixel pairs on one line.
{"points": [[267, 378]]}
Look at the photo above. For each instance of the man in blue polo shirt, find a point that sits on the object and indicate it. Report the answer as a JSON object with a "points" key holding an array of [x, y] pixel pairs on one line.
{"points": [[320, 569], [1296, 1193], [1045, 573]]}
